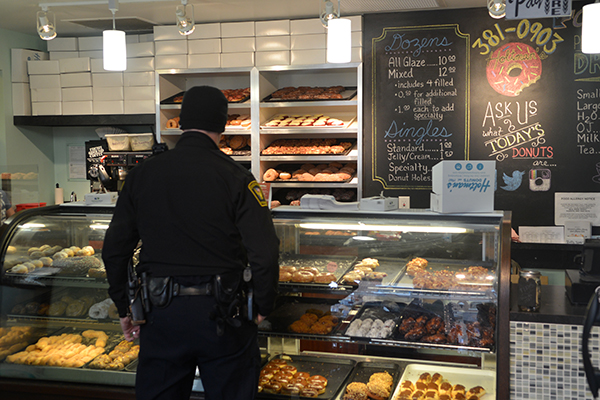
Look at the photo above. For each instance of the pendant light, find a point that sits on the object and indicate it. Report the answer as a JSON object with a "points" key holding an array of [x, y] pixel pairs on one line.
{"points": [[46, 24], [185, 18], [590, 29], [113, 42], [339, 34]]}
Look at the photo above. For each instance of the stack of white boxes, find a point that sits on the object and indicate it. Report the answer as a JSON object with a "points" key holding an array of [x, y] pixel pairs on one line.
{"points": [[139, 92], [21, 97], [46, 92], [237, 44], [308, 42], [63, 47], [107, 90], [272, 43], [204, 46], [171, 48], [76, 84]]}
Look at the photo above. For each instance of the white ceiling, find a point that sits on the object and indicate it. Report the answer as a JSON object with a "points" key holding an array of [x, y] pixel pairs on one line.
{"points": [[19, 15]]}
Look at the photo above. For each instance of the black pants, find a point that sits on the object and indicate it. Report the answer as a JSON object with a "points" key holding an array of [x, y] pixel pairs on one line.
{"points": [[182, 336]]}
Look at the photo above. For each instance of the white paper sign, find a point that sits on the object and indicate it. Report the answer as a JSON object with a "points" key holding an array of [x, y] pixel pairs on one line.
{"points": [[541, 234], [577, 207], [521, 9]]}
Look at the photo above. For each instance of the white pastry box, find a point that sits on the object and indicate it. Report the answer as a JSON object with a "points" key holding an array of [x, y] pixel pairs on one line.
{"points": [[206, 31], [18, 62], [272, 28], [204, 60], [230, 60], [463, 186]]}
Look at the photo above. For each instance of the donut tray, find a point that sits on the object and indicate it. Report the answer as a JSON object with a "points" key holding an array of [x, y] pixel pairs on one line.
{"points": [[291, 168], [393, 267], [321, 264], [344, 153], [363, 371], [290, 309], [336, 370], [348, 94], [468, 377], [170, 100], [385, 310]]}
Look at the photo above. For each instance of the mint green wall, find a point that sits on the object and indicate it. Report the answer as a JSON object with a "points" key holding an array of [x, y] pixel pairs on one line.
{"points": [[24, 145]]}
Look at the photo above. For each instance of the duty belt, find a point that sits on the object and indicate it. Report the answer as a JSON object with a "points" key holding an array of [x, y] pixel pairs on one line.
{"points": [[203, 289]]}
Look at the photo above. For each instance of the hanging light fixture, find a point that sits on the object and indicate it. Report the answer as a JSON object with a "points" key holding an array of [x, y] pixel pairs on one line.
{"points": [[113, 42], [339, 38], [590, 28], [497, 8], [46, 24], [185, 18]]}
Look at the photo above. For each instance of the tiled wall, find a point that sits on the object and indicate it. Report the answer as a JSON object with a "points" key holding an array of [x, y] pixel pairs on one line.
{"points": [[546, 363]]}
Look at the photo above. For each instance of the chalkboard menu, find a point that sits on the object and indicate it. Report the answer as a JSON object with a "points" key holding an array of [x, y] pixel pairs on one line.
{"points": [[458, 84]]}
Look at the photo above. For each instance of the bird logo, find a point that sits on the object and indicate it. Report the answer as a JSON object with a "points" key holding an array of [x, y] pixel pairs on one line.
{"points": [[512, 182]]}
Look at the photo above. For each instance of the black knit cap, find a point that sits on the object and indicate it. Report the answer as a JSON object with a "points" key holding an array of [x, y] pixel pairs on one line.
{"points": [[205, 108]]}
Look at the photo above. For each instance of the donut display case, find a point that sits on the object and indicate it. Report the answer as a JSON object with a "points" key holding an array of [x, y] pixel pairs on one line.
{"points": [[426, 293], [368, 303]]}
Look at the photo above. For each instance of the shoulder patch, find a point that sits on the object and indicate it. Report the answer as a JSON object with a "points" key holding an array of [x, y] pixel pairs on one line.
{"points": [[257, 192]]}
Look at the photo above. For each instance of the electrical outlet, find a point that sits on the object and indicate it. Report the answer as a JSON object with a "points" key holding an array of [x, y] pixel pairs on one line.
{"points": [[403, 201]]}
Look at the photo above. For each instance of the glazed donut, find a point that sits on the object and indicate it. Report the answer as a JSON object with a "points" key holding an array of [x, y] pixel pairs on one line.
{"points": [[173, 123], [302, 277], [312, 270], [290, 389], [317, 378], [285, 175], [270, 175], [272, 387], [325, 277], [309, 392], [302, 375], [512, 68], [288, 268], [318, 386], [278, 362], [285, 276]]}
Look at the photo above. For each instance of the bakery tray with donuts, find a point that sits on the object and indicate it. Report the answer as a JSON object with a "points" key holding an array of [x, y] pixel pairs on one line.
{"points": [[302, 317], [67, 303], [300, 272], [309, 147], [373, 321], [16, 338], [448, 325], [308, 121], [232, 95], [447, 276], [314, 93], [374, 271], [373, 380], [68, 347], [299, 376], [309, 172], [432, 381], [235, 145]]}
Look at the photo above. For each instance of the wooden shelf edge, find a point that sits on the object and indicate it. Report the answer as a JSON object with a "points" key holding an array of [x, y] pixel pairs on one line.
{"points": [[85, 120]]}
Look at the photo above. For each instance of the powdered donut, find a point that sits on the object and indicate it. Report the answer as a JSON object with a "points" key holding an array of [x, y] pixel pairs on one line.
{"points": [[512, 68]]}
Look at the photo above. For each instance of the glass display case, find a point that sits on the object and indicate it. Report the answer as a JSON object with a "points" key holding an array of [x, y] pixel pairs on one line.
{"points": [[361, 293]]}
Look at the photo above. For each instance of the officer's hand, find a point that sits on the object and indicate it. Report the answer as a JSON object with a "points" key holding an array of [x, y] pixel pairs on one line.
{"points": [[130, 331], [260, 318]]}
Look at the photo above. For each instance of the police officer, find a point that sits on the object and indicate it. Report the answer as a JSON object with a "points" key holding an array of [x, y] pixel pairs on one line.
{"points": [[198, 214]]}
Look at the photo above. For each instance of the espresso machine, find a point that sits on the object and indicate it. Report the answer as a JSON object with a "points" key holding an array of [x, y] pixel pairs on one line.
{"points": [[106, 170]]}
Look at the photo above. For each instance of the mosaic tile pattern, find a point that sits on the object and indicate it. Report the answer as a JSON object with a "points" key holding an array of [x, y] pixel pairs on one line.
{"points": [[545, 361]]}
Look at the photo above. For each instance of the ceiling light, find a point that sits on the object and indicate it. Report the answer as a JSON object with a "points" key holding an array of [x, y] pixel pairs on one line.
{"points": [[185, 19], [497, 8], [113, 44], [46, 24], [590, 29], [339, 40]]}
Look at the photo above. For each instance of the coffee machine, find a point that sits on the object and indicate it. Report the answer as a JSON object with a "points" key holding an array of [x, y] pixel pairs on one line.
{"points": [[106, 170]]}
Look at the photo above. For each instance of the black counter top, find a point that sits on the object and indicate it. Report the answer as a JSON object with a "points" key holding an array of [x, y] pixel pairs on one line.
{"points": [[555, 308]]}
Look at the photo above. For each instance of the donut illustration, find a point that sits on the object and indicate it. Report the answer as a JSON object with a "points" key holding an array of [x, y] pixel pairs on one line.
{"points": [[512, 68]]}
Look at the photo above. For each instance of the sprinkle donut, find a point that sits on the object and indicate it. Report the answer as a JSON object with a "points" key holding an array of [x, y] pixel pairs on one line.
{"points": [[513, 67]]}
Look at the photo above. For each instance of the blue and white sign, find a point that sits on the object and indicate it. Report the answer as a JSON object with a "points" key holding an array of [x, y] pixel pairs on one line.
{"points": [[463, 186]]}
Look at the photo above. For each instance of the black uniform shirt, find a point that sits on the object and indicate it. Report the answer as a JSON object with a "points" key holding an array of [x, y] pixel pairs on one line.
{"points": [[197, 212]]}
